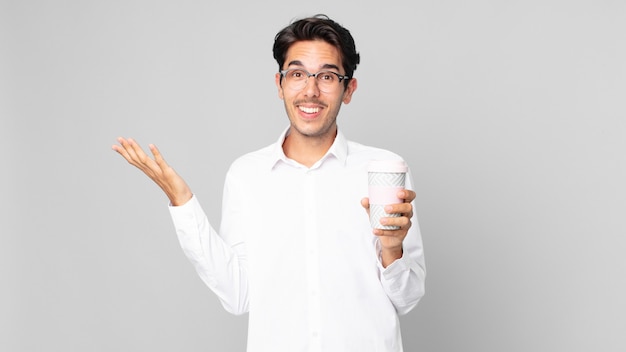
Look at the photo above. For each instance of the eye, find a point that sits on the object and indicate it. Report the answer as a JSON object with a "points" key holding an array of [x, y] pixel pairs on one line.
{"points": [[297, 74], [326, 76]]}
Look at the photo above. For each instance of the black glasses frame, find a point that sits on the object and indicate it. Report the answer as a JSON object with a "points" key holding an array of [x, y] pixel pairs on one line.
{"points": [[283, 73]]}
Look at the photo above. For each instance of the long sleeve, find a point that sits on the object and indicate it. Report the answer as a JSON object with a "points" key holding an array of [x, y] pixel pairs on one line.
{"points": [[295, 249], [218, 263], [403, 280]]}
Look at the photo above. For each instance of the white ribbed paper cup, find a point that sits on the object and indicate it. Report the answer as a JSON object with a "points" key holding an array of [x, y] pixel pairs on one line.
{"points": [[386, 178]]}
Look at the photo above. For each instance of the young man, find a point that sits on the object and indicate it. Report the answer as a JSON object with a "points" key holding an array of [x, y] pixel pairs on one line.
{"points": [[295, 248]]}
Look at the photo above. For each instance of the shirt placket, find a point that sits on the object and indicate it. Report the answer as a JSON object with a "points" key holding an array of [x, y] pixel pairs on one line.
{"points": [[312, 261]]}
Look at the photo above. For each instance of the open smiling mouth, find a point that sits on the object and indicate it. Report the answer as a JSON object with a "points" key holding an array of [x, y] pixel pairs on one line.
{"points": [[308, 110]]}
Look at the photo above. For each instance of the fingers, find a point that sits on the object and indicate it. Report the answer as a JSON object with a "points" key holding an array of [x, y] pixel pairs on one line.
{"points": [[120, 149], [130, 150], [134, 154], [156, 169], [403, 222], [157, 156], [406, 209], [391, 240], [406, 194], [125, 149]]}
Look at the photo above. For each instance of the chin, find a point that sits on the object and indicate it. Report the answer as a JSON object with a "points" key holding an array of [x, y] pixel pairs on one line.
{"points": [[315, 132]]}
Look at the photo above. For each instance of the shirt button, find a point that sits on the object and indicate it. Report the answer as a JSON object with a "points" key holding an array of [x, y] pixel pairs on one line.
{"points": [[315, 334]]}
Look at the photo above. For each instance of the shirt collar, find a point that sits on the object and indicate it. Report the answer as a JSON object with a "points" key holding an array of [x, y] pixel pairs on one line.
{"points": [[339, 150]]}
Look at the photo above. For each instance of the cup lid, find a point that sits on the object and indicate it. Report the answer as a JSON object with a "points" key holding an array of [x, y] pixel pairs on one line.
{"points": [[395, 166]]}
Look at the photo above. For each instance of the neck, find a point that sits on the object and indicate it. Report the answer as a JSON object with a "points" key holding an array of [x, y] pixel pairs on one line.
{"points": [[307, 150]]}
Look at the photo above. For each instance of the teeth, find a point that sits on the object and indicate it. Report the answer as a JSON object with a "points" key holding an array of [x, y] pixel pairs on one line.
{"points": [[309, 110]]}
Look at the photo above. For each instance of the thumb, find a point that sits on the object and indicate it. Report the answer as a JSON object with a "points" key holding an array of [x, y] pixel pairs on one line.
{"points": [[365, 203]]}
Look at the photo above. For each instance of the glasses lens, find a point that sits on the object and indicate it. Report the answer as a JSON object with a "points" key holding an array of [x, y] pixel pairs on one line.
{"points": [[296, 79], [327, 81]]}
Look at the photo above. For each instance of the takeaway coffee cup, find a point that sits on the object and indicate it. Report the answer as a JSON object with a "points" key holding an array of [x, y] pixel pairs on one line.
{"points": [[386, 178]]}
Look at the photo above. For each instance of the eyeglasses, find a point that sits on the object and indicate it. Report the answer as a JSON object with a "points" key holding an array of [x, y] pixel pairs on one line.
{"points": [[327, 81]]}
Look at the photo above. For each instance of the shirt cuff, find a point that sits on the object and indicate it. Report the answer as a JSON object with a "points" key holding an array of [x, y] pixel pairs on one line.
{"points": [[187, 204], [397, 267], [189, 220]]}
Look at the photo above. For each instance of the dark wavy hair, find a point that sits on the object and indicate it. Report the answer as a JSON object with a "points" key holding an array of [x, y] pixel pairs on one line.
{"points": [[318, 27]]}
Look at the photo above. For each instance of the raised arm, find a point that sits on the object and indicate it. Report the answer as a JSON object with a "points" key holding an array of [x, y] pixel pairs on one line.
{"points": [[156, 168]]}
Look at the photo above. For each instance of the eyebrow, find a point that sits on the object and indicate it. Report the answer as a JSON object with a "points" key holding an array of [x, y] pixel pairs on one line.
{"points": [[325, 66]]}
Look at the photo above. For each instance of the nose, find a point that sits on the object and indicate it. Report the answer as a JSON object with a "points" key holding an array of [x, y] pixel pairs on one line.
{"points": [[311, 89]]}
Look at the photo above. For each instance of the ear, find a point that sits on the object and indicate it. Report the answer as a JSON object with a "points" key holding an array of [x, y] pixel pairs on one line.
{"points": [[280, 88], [347, 94]]}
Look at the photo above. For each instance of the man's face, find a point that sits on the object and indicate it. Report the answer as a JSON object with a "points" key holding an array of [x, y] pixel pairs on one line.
{"points": [[312, 112]]}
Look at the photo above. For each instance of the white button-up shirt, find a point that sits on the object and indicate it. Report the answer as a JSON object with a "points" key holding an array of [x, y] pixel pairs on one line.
{"points": [[295, 249]]}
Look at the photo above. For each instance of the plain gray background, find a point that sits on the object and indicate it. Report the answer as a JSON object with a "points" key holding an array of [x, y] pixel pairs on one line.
{"points": [[510, 113]]}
